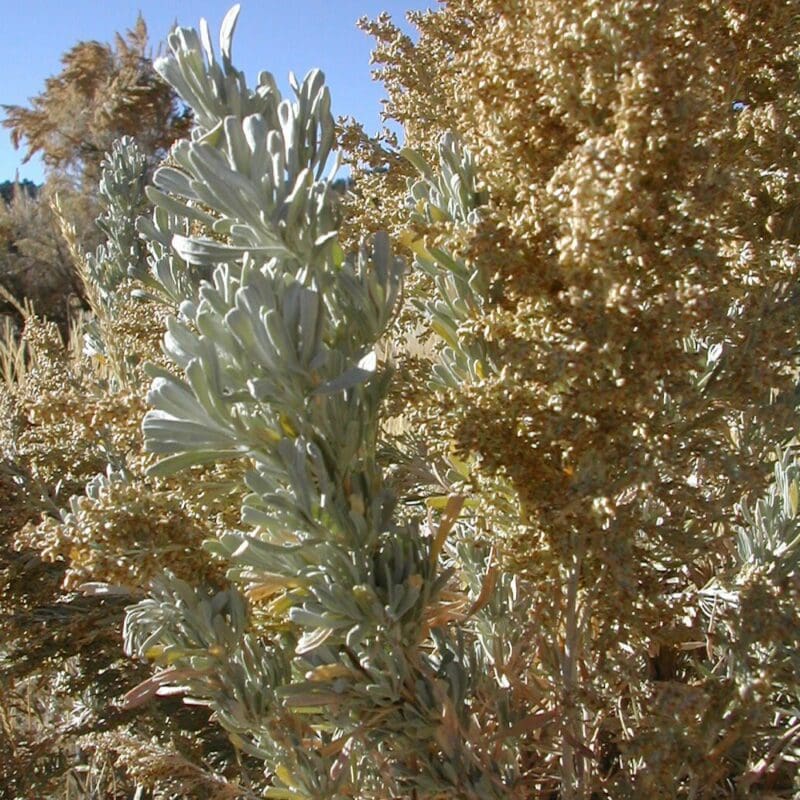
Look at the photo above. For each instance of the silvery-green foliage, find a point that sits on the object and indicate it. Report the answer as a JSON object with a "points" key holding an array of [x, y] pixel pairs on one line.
{"points": [[767, 558], [122, 194], [212, 90], [452, 192], [450, 195], [770, 535], [274, 342], [253, 175], [497, 627], [768, 548], [123, 255], [768, 541], [761, 631], [223, 664]]}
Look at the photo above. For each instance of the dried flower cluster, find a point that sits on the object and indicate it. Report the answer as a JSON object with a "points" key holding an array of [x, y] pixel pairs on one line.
{"points": [[640, 238]]}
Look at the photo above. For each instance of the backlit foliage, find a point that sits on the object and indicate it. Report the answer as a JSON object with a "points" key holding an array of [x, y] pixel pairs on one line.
{"points": [[103, 92]]}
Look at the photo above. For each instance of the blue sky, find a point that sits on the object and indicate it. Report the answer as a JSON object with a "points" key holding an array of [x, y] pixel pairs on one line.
{"points": [[276, 35]]}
